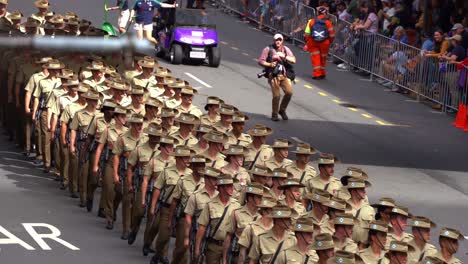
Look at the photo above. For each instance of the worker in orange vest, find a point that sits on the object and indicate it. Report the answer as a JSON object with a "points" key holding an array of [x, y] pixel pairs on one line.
{"points": [[319, 34]]}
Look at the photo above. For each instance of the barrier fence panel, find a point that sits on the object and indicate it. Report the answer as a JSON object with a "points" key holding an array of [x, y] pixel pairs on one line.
{"points": [[397, 65]]}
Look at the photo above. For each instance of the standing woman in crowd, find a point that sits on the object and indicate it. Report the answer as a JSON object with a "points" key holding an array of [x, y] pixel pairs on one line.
{"points": [[440, 45], [367, 26], [144, 13]]}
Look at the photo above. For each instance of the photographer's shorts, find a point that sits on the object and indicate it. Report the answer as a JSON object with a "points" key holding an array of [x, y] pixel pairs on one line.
{"points": [[148, 27], [124, 18]]}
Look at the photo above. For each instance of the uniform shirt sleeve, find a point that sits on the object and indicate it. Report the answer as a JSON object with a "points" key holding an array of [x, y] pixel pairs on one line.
{"points": [[245, 237], [177, 193], [255, 250], [230, 225], [118, 148], [149, 168], [66, 115], [92, 127], [190, 207], [29, 87], [37, 93], [159, 183], [204, 218], [75, 123], [103, 138]]}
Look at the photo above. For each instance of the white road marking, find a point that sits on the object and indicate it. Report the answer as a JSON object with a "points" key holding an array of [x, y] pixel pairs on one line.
{"points": [[466, 237], [198, 80]]}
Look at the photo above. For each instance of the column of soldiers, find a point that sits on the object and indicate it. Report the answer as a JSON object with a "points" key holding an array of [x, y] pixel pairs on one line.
{"points": [[221, 191]]}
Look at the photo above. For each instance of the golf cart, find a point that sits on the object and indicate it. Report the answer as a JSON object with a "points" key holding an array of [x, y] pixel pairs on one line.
{"points": [[187, 34]]}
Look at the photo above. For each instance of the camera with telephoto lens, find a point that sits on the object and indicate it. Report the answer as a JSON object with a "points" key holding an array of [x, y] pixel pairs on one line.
{"points": [[262, 74]]}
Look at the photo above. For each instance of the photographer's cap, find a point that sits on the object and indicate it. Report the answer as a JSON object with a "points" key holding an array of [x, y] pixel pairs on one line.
{"points": [[278, 36]]}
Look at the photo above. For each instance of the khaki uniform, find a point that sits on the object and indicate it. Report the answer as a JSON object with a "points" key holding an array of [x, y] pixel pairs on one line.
{"points": [[272, 164], [217, 162], [419, 254], [80, 124], [31, 87], [193, 110], [368, 257], [130, 74], [243, 177], [218, 126], [348, 245], [44, 93], [211, 215], [99, 86], [303, 176], [67, 172], [364, 214], [237, 222], [123, 146], [251, 232], [206, 120], [96, 128], [166, 183], [454, 260], [257, 156], [332, 186], [23, 132], [295, 256], [150, 85], [265, 247], [53, 107], [244, 139], [189, 141], [324, 224], [172, 103], [139, 159], [406, 237], [133, 110], [185, 187]]}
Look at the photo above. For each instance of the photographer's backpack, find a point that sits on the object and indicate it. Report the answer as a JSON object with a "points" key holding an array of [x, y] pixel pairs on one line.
{"points": [[319, 30]]}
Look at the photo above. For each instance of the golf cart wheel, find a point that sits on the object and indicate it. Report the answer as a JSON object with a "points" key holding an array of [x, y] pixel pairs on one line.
{"points": [[176, 54], [214, 57]]}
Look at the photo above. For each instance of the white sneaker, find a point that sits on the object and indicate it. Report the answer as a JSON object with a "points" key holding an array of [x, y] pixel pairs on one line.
{"points": [[341, 65]]}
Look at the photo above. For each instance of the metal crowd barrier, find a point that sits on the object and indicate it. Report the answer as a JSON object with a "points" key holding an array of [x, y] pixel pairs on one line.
{"points": [[394, 64]]}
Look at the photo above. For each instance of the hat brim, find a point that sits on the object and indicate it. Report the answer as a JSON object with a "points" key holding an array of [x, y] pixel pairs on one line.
{"points": [[304, 153], [282, 187], [268, 132]]}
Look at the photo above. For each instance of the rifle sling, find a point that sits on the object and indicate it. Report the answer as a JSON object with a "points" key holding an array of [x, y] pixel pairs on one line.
{"points": [[220, 221], [278, 249]]}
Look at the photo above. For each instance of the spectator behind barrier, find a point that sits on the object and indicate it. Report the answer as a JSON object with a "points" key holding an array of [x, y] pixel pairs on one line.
{"points": [[400, 35], [440, 44]]}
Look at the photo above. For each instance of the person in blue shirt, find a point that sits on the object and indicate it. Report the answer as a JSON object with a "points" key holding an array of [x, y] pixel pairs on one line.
{"points": [[124, 16], [400, 35], [144, 13]]}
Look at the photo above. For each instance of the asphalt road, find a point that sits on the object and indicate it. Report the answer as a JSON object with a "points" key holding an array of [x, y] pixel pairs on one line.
{"points": [[410, 153]]}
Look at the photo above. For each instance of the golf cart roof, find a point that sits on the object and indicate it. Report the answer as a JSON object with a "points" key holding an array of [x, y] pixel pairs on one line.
{"points": [[185, 17]]}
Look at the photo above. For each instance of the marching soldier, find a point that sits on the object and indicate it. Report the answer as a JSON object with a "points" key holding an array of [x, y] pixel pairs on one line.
{"points": [[268, 246], [212, 109], [448, 242], [254, 229], [122, 148], [96, 129], [239, 219], [184, 135], [356, 173], [280, 153], [166, 85], [262, 175], [258, 151], [383, 209], [195, 205], [118, 90], [320, 206], [399, 222], [3, 8], [164, 188], [212, 221], [138, 103], [234, 158], [375, 252], [344, 232], [69, 177], [421, 227], [30, 89], [176, 100], [43, 7], [224, 124], [278, 178], [398, 252], [96, 81], [152, 171], [300, 169], [360, 209], [216, 141], [186, 186], [79, 129], [105, 147], [137, 162], [301, 252], [152, 106], [236, 135], [202, 144], [344, 257], [187, 105], [167, 120], [292, 194], [42, 96], [325, 180], [146, 80]]}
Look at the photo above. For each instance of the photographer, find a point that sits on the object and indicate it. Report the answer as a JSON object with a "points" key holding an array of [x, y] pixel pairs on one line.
{"points": [[277, 60]]}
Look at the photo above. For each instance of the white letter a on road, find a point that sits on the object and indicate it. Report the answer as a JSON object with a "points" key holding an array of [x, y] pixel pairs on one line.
{"points": [[12, 239]]}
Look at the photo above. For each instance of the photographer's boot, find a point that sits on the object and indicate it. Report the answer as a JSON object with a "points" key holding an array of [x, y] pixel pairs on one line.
{"points": [[284, 105], [275, 107]]}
